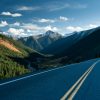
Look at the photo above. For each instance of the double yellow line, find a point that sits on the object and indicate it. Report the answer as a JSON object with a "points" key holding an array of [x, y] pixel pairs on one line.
{"points": [[69, 95]]}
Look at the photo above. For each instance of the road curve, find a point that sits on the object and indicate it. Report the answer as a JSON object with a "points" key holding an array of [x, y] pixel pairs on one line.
{"points": [[79, 81]]}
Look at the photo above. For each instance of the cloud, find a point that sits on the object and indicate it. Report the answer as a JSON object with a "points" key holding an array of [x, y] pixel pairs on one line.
{"points": [[56, 6], [63, 18], [72, 28], [49, 27], [14, 31], [30, 26], [79, 6], [5, 33], [36, 29], [16, 24], [29, 31], [3, 23], [26, 8], [92, 26], [53, 6], [78, 28], [46, 20], [11, 14]]}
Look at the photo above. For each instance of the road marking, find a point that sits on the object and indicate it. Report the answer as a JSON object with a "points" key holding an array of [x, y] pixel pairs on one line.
{"points": [[78, 87], [69, 95], [32, 75]]}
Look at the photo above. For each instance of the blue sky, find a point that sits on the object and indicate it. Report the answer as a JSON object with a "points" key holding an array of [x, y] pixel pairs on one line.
{"points": [[31, 17]]}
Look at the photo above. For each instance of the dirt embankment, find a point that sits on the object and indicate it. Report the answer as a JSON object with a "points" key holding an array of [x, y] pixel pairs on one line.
{"points": [[9, 45]]}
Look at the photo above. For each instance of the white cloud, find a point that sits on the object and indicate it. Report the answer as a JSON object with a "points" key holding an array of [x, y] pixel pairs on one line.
{"points": [[72, 28], [5, 33], [62, 18], [49, 27], [53, 6], [36, 29], [14, 31], [30, 26], [29, 31], [79, 6], [26, 8], [92, 26], [78, 28], [46, 20], [58, 6], [11, 14], [16, 24], [3, 24]]}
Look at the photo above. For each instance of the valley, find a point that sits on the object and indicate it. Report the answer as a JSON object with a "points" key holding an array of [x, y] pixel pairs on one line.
{"points": [[22, 56]]}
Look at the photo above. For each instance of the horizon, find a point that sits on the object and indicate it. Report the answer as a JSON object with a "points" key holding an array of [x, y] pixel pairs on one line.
{"points": [[24, 18]]}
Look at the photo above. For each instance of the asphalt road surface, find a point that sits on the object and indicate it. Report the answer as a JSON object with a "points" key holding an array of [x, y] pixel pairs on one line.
{"points": [[71, 82]]}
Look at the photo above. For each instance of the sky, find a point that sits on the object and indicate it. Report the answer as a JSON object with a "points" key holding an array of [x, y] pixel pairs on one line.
{"points": [[32, 17]]}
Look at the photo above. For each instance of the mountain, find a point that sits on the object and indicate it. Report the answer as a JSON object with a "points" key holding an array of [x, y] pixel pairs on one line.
{"points": [[78, 46], [60, 45], [87, 47], [65, 42], [41, 41], [15, 58]]}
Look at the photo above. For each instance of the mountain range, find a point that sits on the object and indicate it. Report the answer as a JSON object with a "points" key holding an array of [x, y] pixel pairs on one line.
{"points": [[39, 42], [50, 49], [79, 46], [66, 42]]}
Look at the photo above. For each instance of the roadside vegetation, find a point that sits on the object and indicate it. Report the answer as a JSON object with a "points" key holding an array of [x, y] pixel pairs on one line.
{"points": [[13, 63]]}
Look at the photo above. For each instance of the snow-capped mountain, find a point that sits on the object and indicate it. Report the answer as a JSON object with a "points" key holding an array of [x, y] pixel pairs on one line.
{"points": [[38, 42], [74, 43]]}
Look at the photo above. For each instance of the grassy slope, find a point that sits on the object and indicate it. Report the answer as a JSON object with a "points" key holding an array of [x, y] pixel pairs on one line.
{"points": [[9, 66]]}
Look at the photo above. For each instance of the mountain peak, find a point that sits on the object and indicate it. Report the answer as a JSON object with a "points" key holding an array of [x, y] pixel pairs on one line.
{"points": [[49, 32]]}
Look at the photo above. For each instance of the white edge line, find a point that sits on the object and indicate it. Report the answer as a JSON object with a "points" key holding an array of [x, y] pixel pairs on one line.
{"points": [[32, 75], [78, 87], [71, 89]]}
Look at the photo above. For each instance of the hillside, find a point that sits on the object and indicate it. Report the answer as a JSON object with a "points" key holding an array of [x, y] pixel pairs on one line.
{"points": [[77, 47], [65, 42], [8, 45], [60, 45], [14, 57], [17, 59], [85, 48]]}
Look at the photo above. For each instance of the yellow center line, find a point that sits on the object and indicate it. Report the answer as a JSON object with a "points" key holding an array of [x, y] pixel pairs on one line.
{"points": [[69, 94]]}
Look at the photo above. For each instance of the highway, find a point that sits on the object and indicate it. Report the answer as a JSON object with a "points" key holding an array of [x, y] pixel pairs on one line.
{"points": [[79, 81]]}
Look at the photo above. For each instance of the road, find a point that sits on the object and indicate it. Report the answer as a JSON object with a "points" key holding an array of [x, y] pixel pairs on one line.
{"points": [[76, 81]]}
